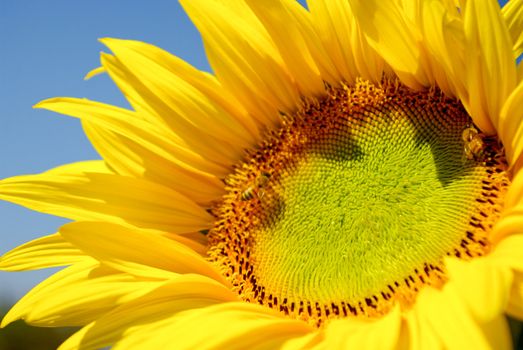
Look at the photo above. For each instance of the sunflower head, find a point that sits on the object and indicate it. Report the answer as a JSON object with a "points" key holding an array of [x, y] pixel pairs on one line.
{"points": [[348, 177]]}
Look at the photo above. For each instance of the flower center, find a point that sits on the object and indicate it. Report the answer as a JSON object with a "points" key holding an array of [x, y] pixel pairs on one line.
{"points": [[351, 205]]}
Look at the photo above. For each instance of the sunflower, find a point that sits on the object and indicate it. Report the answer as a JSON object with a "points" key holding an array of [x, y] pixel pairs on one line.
{"points": [[349, 177]]}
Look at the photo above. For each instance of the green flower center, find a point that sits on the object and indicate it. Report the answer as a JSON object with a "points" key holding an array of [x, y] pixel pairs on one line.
{"points": [[353, 203]]}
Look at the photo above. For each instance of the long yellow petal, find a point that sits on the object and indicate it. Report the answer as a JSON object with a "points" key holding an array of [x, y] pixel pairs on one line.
{"points": [[129, 156], [513, 15], [490, 68], [43, 252], [77, 295], [244, 58], [127, 124], [160, 306], [136, 93], [233, 326], [82, 195], [397, 40], [139, 253], [178, 101]]}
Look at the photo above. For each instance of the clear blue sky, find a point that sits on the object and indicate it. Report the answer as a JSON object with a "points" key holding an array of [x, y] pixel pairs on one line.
{"points": [[46, 49]]}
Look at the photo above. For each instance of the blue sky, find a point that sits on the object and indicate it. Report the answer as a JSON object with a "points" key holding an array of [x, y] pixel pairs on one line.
{"points": [[47, 48]]}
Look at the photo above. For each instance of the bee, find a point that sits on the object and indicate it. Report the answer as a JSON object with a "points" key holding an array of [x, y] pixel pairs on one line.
{"points": [[256, 188], [473, 144]]}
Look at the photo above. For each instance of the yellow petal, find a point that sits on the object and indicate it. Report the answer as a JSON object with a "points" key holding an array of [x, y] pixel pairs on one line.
{"points": [[509, 252], [127, 124], [135, 251], [390, 33], [296, 47], [43, 252], [353, 333], [511, 125], [162, 305], [227, 326], [128, 156], [136, 93], [483, 286], [90, 166], [179, 102], [244, 58], [461, 314], [94, 72], [77, 295], [94, 196], [308, 341], [80, 302], [416, 334], [490, 68], [513, 15]]}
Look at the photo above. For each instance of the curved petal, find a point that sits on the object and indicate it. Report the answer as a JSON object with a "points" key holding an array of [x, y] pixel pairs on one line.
{"points": [[82, 195], [136, 92], [94, 72], [244, 58], [228, 326], [181, 99], [41, 253], [135, 251], [164, 304], [130, 157], [490, 68], [126, 123], [77, 295]]}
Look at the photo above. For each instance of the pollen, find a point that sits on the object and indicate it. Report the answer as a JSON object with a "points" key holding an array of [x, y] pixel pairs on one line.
{"points": [[350, 206]]}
